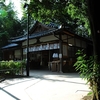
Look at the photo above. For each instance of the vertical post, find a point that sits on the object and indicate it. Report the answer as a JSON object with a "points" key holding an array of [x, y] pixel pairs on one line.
{"points": [[60, 53], [27, 65]]}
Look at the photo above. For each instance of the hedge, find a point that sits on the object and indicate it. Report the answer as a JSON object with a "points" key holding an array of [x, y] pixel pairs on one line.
{"points": [[12, 67]]}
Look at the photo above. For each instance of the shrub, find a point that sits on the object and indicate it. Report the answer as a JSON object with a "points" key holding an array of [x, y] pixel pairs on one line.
{"points": [[12, 67], [89, 69]]}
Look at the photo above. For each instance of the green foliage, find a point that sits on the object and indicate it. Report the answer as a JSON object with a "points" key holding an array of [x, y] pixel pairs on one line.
{"points": [[71, 13], [89, 69], [10, 26], [8, 20], [52, 11], [78, 10], [3, 65], [3, 13], [12, 67], [3, 36], [84, 65]]}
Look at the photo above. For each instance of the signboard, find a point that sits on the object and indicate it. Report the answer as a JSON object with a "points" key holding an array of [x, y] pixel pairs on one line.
{"points": [[48, 46]]}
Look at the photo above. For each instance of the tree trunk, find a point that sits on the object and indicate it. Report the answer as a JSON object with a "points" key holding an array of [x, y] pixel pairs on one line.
{"points": [[94, 17]]}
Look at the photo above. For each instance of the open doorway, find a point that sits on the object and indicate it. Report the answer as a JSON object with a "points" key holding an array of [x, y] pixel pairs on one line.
{"points": [[40, 59]]}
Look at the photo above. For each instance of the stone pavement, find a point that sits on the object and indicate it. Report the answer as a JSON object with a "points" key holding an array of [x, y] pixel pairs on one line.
{"points": [[44, 85]]}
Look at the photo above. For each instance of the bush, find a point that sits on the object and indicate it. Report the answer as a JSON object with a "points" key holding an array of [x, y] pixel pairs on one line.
{"points": [[88, 68], [84, 65], [12, 67]]}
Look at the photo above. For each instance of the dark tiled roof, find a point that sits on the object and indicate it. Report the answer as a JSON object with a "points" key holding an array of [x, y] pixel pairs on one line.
{"points": [[35, 35], [10, 45], [19, 39], [43, 33], [32, 36]]}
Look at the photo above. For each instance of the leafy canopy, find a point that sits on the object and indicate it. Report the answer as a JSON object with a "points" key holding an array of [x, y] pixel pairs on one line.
{"points": [[71, 13], [9, 24]]}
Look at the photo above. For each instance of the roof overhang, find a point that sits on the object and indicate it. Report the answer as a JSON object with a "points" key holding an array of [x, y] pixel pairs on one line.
{"points": [[35, 35], [10, 46]]}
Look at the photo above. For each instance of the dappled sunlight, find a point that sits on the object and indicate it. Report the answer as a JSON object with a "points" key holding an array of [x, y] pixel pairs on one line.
{"points": [[45, 85], [57, 76]]}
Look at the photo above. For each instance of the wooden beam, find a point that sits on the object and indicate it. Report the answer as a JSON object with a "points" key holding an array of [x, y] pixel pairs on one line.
{"points": [[68, 33]]}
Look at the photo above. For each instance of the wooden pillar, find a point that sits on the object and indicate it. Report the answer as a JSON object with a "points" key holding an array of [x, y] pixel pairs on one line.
{"points": [[61, 52], [41, 63], [21, 53]]}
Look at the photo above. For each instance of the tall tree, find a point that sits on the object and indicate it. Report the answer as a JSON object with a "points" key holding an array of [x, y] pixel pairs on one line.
{"points": [[10, 26], [91, 14], [81, 13], [54, 11], [94, 18], [9, 23]]}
